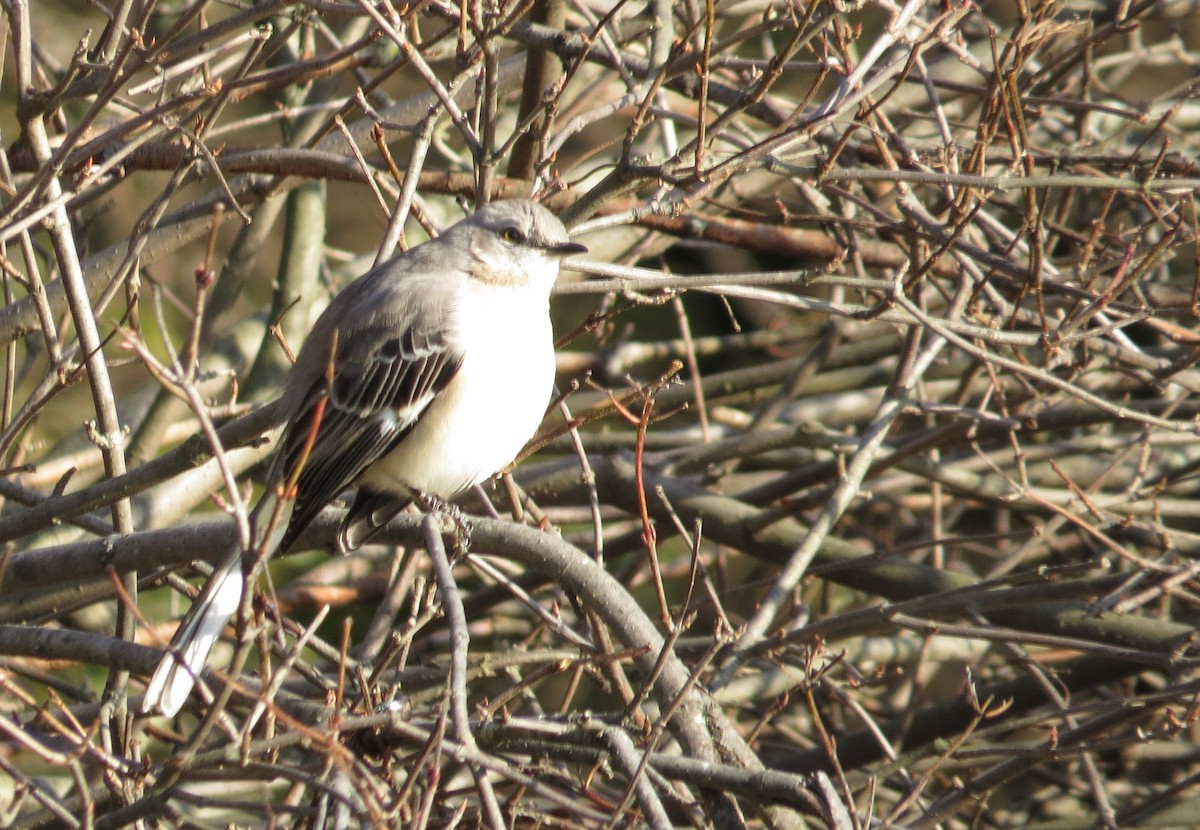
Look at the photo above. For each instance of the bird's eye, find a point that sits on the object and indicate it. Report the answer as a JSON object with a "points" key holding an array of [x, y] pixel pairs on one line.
{"points": [[512, 235]]}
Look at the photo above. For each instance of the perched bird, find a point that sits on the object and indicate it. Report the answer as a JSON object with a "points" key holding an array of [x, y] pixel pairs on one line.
{"points": [[423, 377]]}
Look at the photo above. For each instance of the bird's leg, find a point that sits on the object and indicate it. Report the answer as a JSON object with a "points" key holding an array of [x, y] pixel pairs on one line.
{"points": [[432, 503]]}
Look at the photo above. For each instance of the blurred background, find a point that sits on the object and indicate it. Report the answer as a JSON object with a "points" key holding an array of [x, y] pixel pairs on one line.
{"points": [[875, 403]]}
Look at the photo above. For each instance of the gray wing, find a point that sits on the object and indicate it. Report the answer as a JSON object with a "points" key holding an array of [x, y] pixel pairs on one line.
{"points": [[370, 368], [352, 413]]}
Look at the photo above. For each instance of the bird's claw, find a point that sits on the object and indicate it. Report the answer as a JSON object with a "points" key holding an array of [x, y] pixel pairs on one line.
{"points": [[432, 503]]}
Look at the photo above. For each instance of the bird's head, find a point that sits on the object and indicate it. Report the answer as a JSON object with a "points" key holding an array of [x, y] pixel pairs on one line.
{"points": [[516, 242]]}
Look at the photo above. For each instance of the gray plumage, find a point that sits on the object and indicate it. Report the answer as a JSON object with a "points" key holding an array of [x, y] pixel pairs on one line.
{"points": [[426, 374]]}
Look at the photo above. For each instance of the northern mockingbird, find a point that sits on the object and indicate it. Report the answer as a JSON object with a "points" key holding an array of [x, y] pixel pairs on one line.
{"points": [[424, 376]]}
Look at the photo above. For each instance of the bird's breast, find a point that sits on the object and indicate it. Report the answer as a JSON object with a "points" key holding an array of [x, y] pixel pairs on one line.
{"points": [[492, 406]]}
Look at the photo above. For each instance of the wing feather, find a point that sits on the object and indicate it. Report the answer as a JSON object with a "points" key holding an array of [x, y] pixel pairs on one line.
{"points": [[382, 381]]}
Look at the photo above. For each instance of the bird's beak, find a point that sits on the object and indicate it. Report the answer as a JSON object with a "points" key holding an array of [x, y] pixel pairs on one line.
{"points": [[566, 248]]}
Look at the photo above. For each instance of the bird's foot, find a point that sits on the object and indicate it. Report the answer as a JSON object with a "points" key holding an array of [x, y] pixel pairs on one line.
{"points": [[431, 503]]}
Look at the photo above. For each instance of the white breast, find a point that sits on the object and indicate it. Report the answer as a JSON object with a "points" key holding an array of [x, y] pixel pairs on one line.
{"points": [[493, 405]]}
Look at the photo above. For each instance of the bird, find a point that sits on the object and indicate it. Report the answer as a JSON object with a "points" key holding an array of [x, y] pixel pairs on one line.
{"points": [[421, 379]]}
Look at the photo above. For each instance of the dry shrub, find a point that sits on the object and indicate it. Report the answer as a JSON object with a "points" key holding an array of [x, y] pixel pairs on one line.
{"points": [[870, 497]]}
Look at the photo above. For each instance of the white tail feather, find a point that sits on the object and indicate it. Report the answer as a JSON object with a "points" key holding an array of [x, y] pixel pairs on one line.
{"points": [[180, 667], [185, 659]]}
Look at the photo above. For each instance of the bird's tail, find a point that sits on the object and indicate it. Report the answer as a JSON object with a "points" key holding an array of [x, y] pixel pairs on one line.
{"points": [[180, 667], [187, 655]]}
